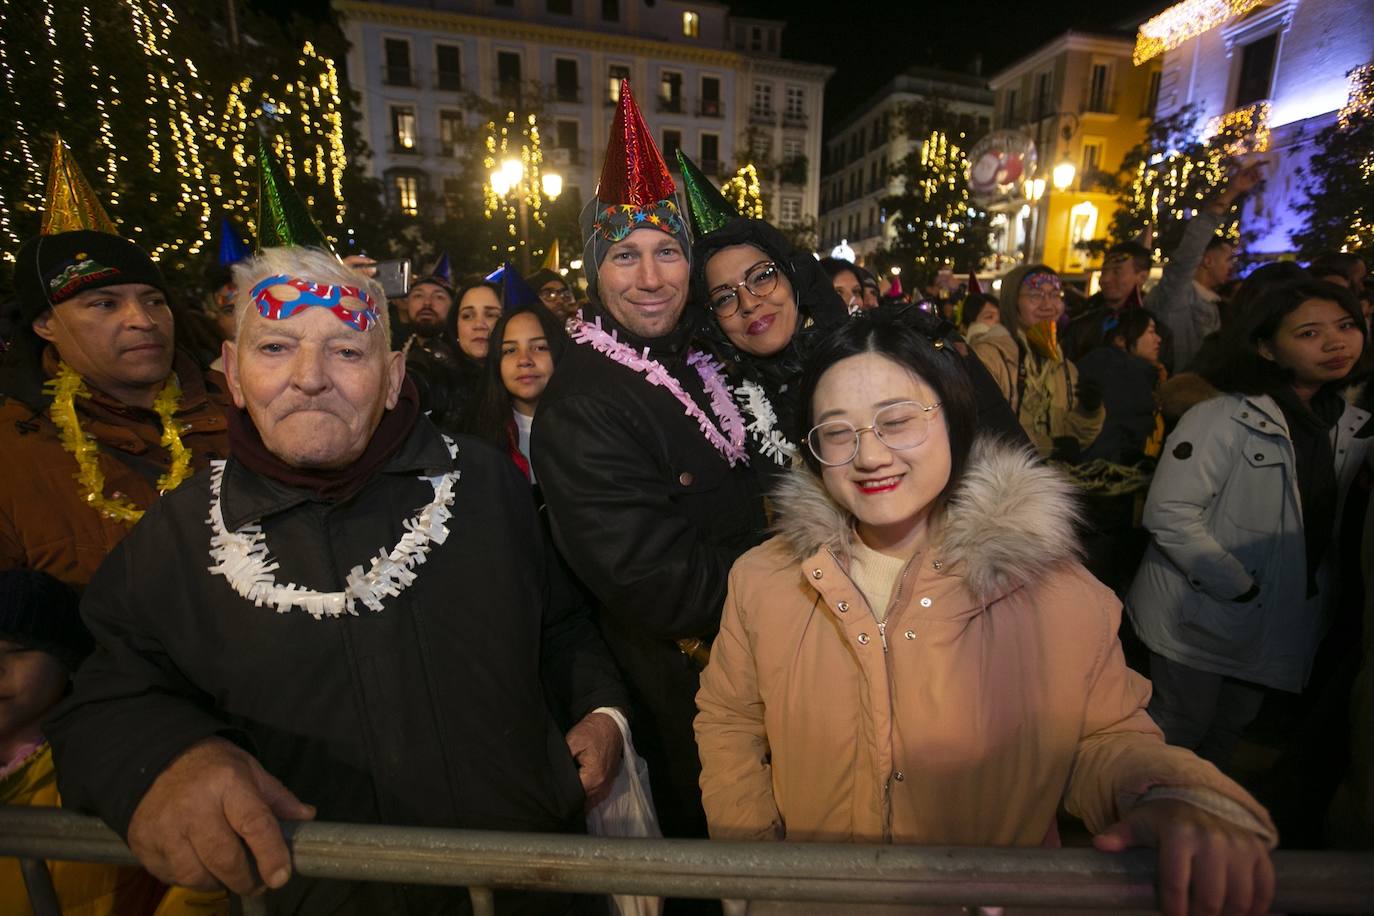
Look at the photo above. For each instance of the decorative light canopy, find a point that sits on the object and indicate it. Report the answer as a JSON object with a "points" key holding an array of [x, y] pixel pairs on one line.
{"points": [[744, 192], [1183, 22]]}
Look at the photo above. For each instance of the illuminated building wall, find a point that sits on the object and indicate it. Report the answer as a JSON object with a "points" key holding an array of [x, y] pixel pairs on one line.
{"points": [[1294, 56]]}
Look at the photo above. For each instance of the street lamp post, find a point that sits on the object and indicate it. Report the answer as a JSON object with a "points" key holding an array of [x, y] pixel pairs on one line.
{"points": [[1034, 189], [511, 178], [1063, 176]]}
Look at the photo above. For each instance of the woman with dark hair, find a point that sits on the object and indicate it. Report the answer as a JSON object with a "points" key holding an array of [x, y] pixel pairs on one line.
{"points": [[1236, 587], [1126, 367], [978, 315], [845, 279], [919, 658], [528, 343], [1061, 415], [449, 379]]}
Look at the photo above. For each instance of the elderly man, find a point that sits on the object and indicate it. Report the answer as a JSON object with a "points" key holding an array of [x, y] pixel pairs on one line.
{"points": [[259, 657], [98, 413], [641, 458]]}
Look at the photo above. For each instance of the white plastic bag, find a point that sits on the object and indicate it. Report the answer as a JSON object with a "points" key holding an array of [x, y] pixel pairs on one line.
{"points": [[628, 811]]}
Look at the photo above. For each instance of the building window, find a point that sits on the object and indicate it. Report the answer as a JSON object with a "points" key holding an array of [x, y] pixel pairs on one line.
{"points": [[710, 153], [453, 197], [1099, 98], [672, 142], [403, 138], [1092, 156], [791, 148], [448, 68], [789, 211], [567, 138], [795, 112], [617, 72], [763, 99], [670, 91], [1010, 98], [755, 38], [508, 72], [710, 97], [450, 132], [691, 24], [407, 191], [1044, 82], [565, 79], [396, 70], [1256, 70], [610, 10], [1151, 95], [560, 7]]}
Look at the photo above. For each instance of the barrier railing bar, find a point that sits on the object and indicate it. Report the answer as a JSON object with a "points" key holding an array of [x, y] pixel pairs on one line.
{"points": [[1330, 882], [38, 882]]}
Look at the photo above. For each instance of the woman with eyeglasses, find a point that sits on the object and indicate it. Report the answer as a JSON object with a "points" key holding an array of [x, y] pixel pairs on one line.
{"points": [[769, 304], [918, 657], [554, 292], [1061, 414]]}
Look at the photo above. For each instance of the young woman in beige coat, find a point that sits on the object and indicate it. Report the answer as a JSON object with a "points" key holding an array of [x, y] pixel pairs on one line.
{"points": [[918, 656]]}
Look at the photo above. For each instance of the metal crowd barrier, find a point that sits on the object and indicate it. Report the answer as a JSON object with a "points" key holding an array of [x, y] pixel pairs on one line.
{"points": [[1326, 882]]}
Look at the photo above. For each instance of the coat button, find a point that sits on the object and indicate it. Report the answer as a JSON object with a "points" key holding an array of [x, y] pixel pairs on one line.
{"points": [[843, 607], [937, 565], [1263, 424], [685, 478], [910, 634], [1244, 415], [816, 573], [863, 639], [899, 776], [925, 602], [1259, 456]]}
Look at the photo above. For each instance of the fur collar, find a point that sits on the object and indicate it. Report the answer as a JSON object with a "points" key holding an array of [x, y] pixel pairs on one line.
{"points": [[1010, 518]]}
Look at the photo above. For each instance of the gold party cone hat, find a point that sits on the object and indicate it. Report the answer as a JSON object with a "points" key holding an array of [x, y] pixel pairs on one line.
{"points": [[71, 203]]}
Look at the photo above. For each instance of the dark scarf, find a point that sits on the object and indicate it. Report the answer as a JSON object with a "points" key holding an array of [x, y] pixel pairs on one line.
{"points": [[1309, 428], [247, 447]]}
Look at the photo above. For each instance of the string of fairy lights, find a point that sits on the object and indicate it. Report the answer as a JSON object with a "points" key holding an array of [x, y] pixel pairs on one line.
{"points": [[1183, 22], [500, 143], [944, 165], [743, 191], [195, 138]]}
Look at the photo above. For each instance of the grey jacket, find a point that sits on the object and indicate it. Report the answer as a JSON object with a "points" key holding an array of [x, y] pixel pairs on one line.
{"points": [[1223, 514], [1175, 299]]}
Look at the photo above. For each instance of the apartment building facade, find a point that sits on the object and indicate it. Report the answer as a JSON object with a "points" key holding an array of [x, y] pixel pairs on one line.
{"points": [[706, 82], [865, 148]]}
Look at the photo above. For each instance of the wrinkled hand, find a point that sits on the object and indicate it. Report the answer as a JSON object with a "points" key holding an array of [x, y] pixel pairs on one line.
{"points": [[362, 264], [1207, 865], [187, 828], [595, 744]]}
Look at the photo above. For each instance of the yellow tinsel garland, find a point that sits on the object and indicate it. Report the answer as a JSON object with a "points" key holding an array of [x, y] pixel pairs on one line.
{"points": [[65, 388]]}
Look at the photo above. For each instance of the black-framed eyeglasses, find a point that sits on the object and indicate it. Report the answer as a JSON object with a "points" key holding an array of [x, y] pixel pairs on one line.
{"points": [[899, 427], [556, 294], [760, 280]]}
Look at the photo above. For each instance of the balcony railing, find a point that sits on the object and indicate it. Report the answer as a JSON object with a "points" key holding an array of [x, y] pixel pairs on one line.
{"points": [[766, 116], [399, 148], [448, 80], [710, 167], [568, 94], [794, 119], [1326, 882], [709, 108], [1098, 103], [671, 105], [398, 76]]}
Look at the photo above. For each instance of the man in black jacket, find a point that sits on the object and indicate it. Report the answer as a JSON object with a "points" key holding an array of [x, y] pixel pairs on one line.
{"points": [[283, 652], [644, 473]]}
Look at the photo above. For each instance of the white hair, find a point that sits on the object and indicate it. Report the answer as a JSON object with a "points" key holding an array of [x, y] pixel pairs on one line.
{"points": [[307, 263]]}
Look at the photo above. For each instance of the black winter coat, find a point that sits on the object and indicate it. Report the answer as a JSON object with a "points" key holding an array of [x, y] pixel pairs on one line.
{"points": [[1128, 392], [650, 517], [433, 712]]}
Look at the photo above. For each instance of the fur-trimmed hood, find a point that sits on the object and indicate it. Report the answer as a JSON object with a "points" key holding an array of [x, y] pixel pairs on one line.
{"points": [[1009, 518]]}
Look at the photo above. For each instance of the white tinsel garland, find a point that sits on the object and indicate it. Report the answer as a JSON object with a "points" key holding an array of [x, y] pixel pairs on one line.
{"points": [[753, 401], [242, 557]]}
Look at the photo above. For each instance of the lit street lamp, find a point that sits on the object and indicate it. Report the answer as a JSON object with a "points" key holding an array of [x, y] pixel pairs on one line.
{"points": [[511, 178], [1063, 175]]}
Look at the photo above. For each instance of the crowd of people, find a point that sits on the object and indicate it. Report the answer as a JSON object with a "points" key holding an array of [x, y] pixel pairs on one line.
{"points": [[837, 565]]}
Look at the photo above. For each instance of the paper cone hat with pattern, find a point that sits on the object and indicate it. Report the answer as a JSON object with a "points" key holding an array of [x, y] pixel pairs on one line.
{"points": [[283, 219], [232, 247], [71, 204], [551, 258], [706, 206], [634, 171]]}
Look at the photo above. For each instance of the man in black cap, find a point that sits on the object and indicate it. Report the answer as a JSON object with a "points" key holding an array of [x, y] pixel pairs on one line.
{"points": [[98, 414]]}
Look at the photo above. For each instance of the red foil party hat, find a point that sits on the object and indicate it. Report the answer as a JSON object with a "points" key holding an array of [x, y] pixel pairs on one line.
{"points": [[634, 172]]}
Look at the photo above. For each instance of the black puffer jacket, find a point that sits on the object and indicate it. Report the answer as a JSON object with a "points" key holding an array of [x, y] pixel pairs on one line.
{"points": [[433, 712], [650, 517], [448, 380]]}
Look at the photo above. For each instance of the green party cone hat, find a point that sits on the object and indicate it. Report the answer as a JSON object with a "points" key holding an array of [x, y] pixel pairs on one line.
{"points": [[708, 208], [283, 219], [71, 204]]}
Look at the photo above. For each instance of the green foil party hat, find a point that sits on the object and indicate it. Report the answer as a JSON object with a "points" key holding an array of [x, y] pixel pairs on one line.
{"points": [[283, 219], [708, 208]]}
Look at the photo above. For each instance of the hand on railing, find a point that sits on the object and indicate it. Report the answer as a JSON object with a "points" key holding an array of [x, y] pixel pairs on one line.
{"points": [[1206, 864], [187, 828]]}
